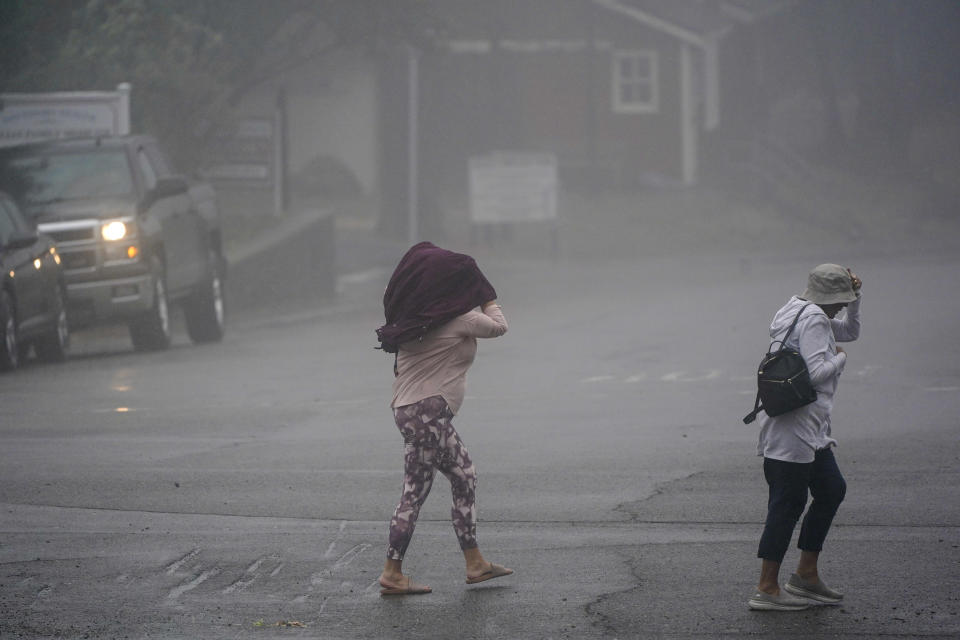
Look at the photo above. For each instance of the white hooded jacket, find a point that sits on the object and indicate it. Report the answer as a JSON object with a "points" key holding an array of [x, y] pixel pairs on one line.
{"points": [[797, 435]]}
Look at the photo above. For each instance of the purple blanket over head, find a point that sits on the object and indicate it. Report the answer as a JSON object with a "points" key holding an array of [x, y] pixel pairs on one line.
{"points": [[429, 287]]}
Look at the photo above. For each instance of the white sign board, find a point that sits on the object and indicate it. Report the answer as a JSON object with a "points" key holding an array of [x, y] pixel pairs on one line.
{"points": [[30, 117], [513, 187], [247, 155]]}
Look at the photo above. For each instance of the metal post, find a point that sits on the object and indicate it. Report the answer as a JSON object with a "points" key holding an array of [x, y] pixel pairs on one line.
{"points": [[123, 118], [280, 153], [413, 107], [688, 121]]}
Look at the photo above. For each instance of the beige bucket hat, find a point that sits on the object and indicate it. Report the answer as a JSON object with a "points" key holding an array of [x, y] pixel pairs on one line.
{"points": [[829, 284]]}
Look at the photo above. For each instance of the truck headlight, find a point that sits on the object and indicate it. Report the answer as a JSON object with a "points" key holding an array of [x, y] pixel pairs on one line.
{"points": [[114, 230], [120, 241]]}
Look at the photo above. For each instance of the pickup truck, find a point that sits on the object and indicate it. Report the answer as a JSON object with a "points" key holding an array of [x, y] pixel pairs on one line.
{"points": [[133, 235]]}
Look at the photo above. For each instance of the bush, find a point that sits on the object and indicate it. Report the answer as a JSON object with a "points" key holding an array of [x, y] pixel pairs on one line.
{"points": [[327, 176]]}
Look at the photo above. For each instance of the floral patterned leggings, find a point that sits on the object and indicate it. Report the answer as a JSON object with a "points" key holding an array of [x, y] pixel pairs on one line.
{"points": [[431, 443]]}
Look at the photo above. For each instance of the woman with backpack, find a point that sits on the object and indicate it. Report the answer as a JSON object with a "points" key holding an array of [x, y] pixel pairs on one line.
{"points": [[436, 305], [797, 446]]}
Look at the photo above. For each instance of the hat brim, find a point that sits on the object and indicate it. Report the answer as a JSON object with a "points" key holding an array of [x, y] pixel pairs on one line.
{"points": [[840, 297]]}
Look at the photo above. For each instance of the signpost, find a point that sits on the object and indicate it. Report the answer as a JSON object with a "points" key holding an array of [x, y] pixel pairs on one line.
{"points": [[254, 156], [513, 187], [509, 187], [247, 155]]}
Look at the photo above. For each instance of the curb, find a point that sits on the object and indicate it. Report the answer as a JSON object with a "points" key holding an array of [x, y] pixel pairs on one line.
{"points": [[287, 228], [294, 262]]}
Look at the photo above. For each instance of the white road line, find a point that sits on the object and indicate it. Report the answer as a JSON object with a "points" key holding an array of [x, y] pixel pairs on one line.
{"points": [[173, 567], [593, 379], [329, 552], [357, 277], [680, 376], [176, 592], [349, 556]]}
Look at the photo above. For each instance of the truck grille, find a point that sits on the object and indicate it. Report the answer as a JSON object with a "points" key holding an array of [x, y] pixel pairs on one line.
{"points": [[73, 235], [76, 242], [74, 260], [77, 231]]}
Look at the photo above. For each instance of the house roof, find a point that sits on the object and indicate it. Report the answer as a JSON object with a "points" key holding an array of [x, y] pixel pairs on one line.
{"points": [[695, 21], [753, 10], [692, 21]]}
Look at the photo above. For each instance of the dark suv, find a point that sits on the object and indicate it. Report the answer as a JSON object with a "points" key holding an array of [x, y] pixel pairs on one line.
{"points": [[32, 294], [133, 234]]}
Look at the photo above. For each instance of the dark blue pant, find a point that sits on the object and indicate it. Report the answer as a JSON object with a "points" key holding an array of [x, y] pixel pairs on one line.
{"points": [[789, 482]]}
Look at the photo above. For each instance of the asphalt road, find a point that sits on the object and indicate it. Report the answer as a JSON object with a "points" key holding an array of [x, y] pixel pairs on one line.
{"points": [[242, 490]]}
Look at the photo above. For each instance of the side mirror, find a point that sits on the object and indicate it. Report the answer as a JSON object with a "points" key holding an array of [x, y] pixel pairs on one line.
{"points": [[170, 186], [21, 240]]}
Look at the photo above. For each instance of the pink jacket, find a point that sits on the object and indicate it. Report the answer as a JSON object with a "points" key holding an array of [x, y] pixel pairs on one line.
{"points": [[437, 364]]}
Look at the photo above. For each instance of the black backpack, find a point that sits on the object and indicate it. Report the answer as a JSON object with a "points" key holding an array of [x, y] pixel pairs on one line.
{"points": [[783, 382]]}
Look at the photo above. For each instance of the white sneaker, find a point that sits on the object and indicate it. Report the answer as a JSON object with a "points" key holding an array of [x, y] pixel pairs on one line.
{"points": [[781, 602], [814, 590]]}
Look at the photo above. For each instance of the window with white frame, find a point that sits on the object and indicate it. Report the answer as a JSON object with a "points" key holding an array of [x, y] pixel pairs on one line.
{"points": [[636, 86]]}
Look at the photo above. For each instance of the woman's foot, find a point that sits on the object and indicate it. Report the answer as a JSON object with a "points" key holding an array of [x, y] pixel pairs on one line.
{"points": [[813, 589], [762, 601], [487, 571], [401, 585]]}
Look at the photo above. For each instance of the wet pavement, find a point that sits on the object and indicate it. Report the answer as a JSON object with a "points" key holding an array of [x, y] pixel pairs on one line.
{"points": [[242, 490]]}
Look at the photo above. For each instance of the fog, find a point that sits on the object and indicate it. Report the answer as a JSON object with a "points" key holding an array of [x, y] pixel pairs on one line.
{"points": [[644, 182], [539, 127], [536, 122]]}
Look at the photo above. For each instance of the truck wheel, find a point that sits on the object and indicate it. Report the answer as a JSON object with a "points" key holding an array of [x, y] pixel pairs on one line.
{"points": [[52, 346], [205, 310], [151, 330], [9, 348]]}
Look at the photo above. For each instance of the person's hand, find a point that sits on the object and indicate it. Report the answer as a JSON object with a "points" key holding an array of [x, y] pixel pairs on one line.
{"points": [[840, 350], [857, 282]]}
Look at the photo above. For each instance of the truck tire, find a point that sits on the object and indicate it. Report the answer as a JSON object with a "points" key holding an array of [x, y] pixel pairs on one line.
{"points": [[9, 347], [52, 346], [205, 309], [151, 330]]}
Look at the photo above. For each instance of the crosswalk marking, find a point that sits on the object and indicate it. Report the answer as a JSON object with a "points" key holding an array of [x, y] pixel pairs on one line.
{"points": [[593, 379], [706, 375], [681, 376]]}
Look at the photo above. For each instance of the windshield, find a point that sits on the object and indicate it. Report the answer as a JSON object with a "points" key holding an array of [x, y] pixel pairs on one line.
{"points": [[43, 179]]}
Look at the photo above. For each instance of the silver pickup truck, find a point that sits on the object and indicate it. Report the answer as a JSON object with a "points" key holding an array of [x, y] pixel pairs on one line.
{"points": [[134, 236]]}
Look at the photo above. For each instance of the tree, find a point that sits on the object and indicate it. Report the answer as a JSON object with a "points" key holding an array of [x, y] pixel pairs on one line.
{"points": [[189, 61]]}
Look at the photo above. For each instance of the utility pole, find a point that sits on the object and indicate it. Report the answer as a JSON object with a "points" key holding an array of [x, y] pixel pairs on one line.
{"points": [[413, 108]]}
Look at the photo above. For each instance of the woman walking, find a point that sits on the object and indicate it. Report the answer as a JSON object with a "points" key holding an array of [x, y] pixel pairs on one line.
{"points": [[797, 447], [432, 325]]}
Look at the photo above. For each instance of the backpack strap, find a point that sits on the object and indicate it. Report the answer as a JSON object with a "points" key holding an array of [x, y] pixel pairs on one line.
{"points": [[750, 417], [783, 341]]}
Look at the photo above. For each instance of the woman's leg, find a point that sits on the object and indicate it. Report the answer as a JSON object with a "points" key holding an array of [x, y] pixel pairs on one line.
{"points": [[787, 482], [454, 462], [417, 482], [417, 424], [828, 488]]}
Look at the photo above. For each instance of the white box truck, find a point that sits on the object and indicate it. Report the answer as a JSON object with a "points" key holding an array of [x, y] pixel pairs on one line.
{"points": [[33, 117]]}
